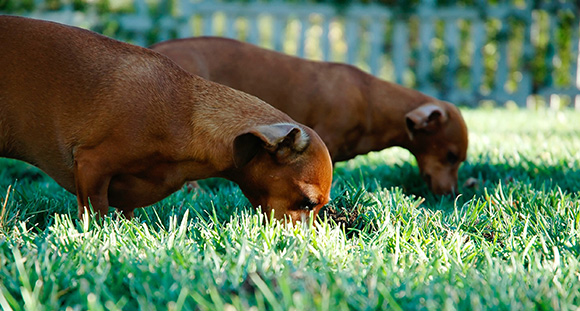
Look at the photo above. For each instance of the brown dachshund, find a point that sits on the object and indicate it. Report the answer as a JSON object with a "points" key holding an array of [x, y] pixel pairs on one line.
{"points": [[352, 111], [123, 126]]}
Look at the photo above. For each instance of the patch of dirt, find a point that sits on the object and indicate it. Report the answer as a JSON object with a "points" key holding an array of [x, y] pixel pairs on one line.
{"points": [[344, 218]]}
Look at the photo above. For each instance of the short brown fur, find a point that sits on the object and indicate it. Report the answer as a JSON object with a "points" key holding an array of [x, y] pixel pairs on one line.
{"points": [[353, 112], [123, 126]]}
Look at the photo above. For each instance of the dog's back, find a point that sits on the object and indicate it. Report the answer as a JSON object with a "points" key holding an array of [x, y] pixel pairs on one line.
{"points": [[317, 94], [57, 90], [31, 90]]}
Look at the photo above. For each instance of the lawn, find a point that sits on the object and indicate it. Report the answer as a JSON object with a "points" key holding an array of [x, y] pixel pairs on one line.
{"points": [[510, 241]]}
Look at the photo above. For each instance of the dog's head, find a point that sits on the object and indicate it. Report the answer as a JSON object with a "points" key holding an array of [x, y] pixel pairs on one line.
{"points": [[438, 139], [284, 168]]}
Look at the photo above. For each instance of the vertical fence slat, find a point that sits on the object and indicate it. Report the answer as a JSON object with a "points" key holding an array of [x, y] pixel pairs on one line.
{"points": [[138, 23], [304, 25], [552, 49], [376, 39], [477, 35], [550, 58], [143, 14], [501, 73], [524, 88], [575, 65], [230, 24], [400, 49], [279, 35], [575, 39], [324, 38], [167, 22], [207, 18], [451, 39], [254, 30], [352, 39], [424, 67], [184, 28], [426, 14]]}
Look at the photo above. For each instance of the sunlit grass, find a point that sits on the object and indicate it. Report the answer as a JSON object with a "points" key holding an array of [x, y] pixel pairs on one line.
{"points": [[509, 241]]}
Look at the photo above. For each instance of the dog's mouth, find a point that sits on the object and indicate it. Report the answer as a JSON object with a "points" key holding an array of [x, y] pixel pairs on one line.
{"points": [[436, 188]]}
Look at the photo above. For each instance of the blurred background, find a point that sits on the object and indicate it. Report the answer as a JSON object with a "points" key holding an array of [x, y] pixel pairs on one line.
{"points": [[513, 53]]}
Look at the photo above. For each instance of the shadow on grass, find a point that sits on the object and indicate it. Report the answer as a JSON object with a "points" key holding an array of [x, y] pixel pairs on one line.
{"points": [[350, 205], [36, 197], [483, 175]]}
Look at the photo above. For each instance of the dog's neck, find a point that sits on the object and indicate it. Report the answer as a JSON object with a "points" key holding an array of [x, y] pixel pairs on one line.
{"points": [[218, 115], [388, 103]]}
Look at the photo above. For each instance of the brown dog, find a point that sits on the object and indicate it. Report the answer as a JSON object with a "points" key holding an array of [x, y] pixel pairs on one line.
{"points": [[352, 111], [124, 126]]}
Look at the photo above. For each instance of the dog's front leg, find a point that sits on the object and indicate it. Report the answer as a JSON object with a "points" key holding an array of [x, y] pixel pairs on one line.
{"points": [[91, 187]]}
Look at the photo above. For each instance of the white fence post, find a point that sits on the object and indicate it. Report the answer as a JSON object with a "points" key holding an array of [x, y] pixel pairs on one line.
{"points": [[400, 49], [366, 24], [426, 34]]}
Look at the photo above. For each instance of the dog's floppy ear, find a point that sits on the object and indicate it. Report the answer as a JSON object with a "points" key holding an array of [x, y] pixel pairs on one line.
{"points": [[428, 117], [280, 139]]}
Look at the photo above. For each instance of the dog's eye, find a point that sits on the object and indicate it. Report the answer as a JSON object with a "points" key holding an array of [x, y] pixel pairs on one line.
{"points": [[307, 204], [452, 157]]}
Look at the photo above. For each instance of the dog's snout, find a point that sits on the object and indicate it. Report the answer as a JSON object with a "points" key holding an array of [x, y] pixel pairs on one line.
{"points": [[444, 188], [451, 191], [440, 185]]}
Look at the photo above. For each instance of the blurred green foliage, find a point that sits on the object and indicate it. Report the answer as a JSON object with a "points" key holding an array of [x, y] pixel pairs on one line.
{"points": [[533, 38]]}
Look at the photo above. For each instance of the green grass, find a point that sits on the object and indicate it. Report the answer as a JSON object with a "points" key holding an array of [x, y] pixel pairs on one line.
{"points": [[383, 243]]}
